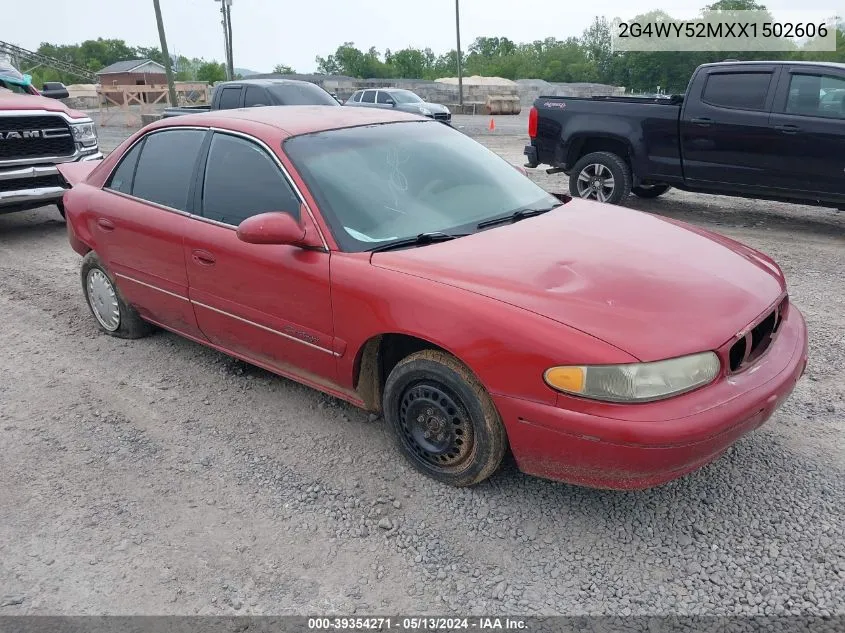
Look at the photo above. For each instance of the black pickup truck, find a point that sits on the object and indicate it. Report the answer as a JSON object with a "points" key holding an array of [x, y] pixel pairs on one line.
{"points": [[769, 130], [248, 93]]}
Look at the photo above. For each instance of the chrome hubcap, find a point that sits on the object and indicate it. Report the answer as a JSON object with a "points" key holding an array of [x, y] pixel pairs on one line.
{"points": [[103, 300], [596, 182]]}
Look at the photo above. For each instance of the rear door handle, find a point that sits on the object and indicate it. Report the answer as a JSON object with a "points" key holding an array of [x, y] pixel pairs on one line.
{"points": [[106, 225], [787, 129], [702, 121], [204, 258]]}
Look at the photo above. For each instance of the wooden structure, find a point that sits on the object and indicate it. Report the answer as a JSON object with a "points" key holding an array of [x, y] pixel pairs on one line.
{"points": [[134, 72], [131, 102]]}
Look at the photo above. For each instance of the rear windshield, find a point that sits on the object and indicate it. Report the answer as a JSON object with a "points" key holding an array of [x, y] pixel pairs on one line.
{"points": [[301, 94]]}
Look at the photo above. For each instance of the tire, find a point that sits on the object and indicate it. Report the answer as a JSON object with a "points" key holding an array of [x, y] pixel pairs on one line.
{"points": [[431, 392], [99, 289], [650, 191], [589, 175]]}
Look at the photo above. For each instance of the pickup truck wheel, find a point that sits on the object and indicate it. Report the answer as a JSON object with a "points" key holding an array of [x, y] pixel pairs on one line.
{"points": [[114, 316], [650, 191], [601, 176], [444, 421]]}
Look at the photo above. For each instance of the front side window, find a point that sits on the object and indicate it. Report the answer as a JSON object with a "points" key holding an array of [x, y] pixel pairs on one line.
{"points": [[745, 90], [166, 167], [241, 180], [302, 93], [816, 95], [383, 97], [254, 97], [405, 96], [376, 184]]}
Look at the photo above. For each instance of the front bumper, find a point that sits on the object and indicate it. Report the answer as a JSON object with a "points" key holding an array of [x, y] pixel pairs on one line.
{"points": [[30, 186], [645, 445]]}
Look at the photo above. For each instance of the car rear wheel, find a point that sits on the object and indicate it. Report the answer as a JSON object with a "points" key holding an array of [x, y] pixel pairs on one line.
{"points": [[114, 316], [601, 176], [650, 191], [444, 421]]}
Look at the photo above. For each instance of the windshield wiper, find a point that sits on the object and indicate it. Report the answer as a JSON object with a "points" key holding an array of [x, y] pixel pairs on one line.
{"points": [[420, 240], [516, 216]]}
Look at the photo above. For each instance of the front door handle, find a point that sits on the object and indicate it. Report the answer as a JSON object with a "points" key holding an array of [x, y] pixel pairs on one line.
{"points": [[106, 225], [787, 129], [702, 121], [204, 258]]}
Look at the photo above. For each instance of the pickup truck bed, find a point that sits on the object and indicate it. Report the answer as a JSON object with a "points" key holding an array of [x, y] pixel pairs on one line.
{"points": [[772, 130]]}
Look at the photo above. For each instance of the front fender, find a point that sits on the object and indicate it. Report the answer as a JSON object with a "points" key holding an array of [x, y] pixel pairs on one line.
{"points": [[508, 348]]}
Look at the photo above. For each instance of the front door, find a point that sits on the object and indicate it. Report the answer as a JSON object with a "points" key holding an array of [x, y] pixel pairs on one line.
{"points": [[268, 303], [139, 219], [809, 120]]}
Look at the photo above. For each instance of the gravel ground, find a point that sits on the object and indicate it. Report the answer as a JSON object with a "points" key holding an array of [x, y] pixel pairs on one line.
{"points": [[160, 477]]}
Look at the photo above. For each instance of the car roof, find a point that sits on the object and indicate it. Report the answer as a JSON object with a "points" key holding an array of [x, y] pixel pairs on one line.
{"points": [[265, 82], [781, 62], [290, 120]]}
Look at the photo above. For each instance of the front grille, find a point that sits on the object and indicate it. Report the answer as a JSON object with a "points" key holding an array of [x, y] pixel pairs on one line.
{"points": [[21, 148], [747, 350], [16, 184], [442, 116]]}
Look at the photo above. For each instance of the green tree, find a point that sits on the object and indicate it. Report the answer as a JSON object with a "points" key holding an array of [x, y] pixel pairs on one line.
{"points": [[283, 69], [212, 72]]}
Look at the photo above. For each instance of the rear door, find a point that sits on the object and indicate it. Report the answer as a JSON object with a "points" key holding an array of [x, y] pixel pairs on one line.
{"points": [[368, 99], [725, 133], [139, 218], [809, 125], [269, 303]]}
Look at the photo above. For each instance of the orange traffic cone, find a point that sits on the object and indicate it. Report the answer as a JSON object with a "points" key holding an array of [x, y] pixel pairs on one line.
{"points": [[492, 124]]}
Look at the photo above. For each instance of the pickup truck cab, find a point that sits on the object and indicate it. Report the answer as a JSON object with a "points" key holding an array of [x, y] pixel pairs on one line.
{"points": [[37, 133], [769, 130], [249, 93]]}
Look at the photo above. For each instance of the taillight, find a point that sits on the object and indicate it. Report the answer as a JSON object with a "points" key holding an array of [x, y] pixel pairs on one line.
{"points": [[532, 122]]}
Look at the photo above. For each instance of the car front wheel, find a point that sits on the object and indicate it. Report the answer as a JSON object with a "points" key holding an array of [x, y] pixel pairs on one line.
{"points": [[444, 421], [114, 316], [601, 176]]}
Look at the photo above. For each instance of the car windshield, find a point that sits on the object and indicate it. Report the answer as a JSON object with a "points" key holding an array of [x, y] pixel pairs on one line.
{"points": [[382, 183], [405, 96], [301, 94]]}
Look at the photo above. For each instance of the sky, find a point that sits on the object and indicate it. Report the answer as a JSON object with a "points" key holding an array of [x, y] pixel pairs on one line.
{"points": [[294, 32]]}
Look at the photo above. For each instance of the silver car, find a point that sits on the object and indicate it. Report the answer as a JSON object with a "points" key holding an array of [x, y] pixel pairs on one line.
{"points": [[400, 99]]}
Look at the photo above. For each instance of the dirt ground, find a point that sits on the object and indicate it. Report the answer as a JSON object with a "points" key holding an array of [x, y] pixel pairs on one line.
{"points": [[160, 477]]}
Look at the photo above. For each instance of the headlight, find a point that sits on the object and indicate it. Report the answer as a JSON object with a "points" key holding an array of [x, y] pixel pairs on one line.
{"points": [[84, 133], [425, 111], [636, 382]]}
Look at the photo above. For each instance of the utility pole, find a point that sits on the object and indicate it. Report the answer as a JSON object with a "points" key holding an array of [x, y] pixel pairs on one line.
{"points": [[171, 88], [226, 21], [458, 31]]}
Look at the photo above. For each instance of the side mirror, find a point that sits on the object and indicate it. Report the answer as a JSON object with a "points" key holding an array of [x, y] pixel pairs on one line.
{"points": [[54, 90], [275, 227]]}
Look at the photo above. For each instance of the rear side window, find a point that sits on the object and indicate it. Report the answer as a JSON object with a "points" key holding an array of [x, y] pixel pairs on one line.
{"points": [[255, 97], [121, 178], [357, 96], [746, 91], [241, 180], [230, 98], [369, 96], [166, 167]]}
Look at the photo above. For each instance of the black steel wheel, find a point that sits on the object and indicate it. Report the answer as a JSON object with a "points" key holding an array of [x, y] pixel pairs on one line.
{"points": [[444, 421]]}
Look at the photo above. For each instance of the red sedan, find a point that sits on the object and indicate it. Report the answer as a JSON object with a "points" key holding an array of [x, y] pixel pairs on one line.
{"points": [[395, 263]]}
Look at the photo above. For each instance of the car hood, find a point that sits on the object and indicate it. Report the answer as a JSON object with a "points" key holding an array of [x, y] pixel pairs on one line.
{"points": [[415, 107], [652, 287], [15, 101]]}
